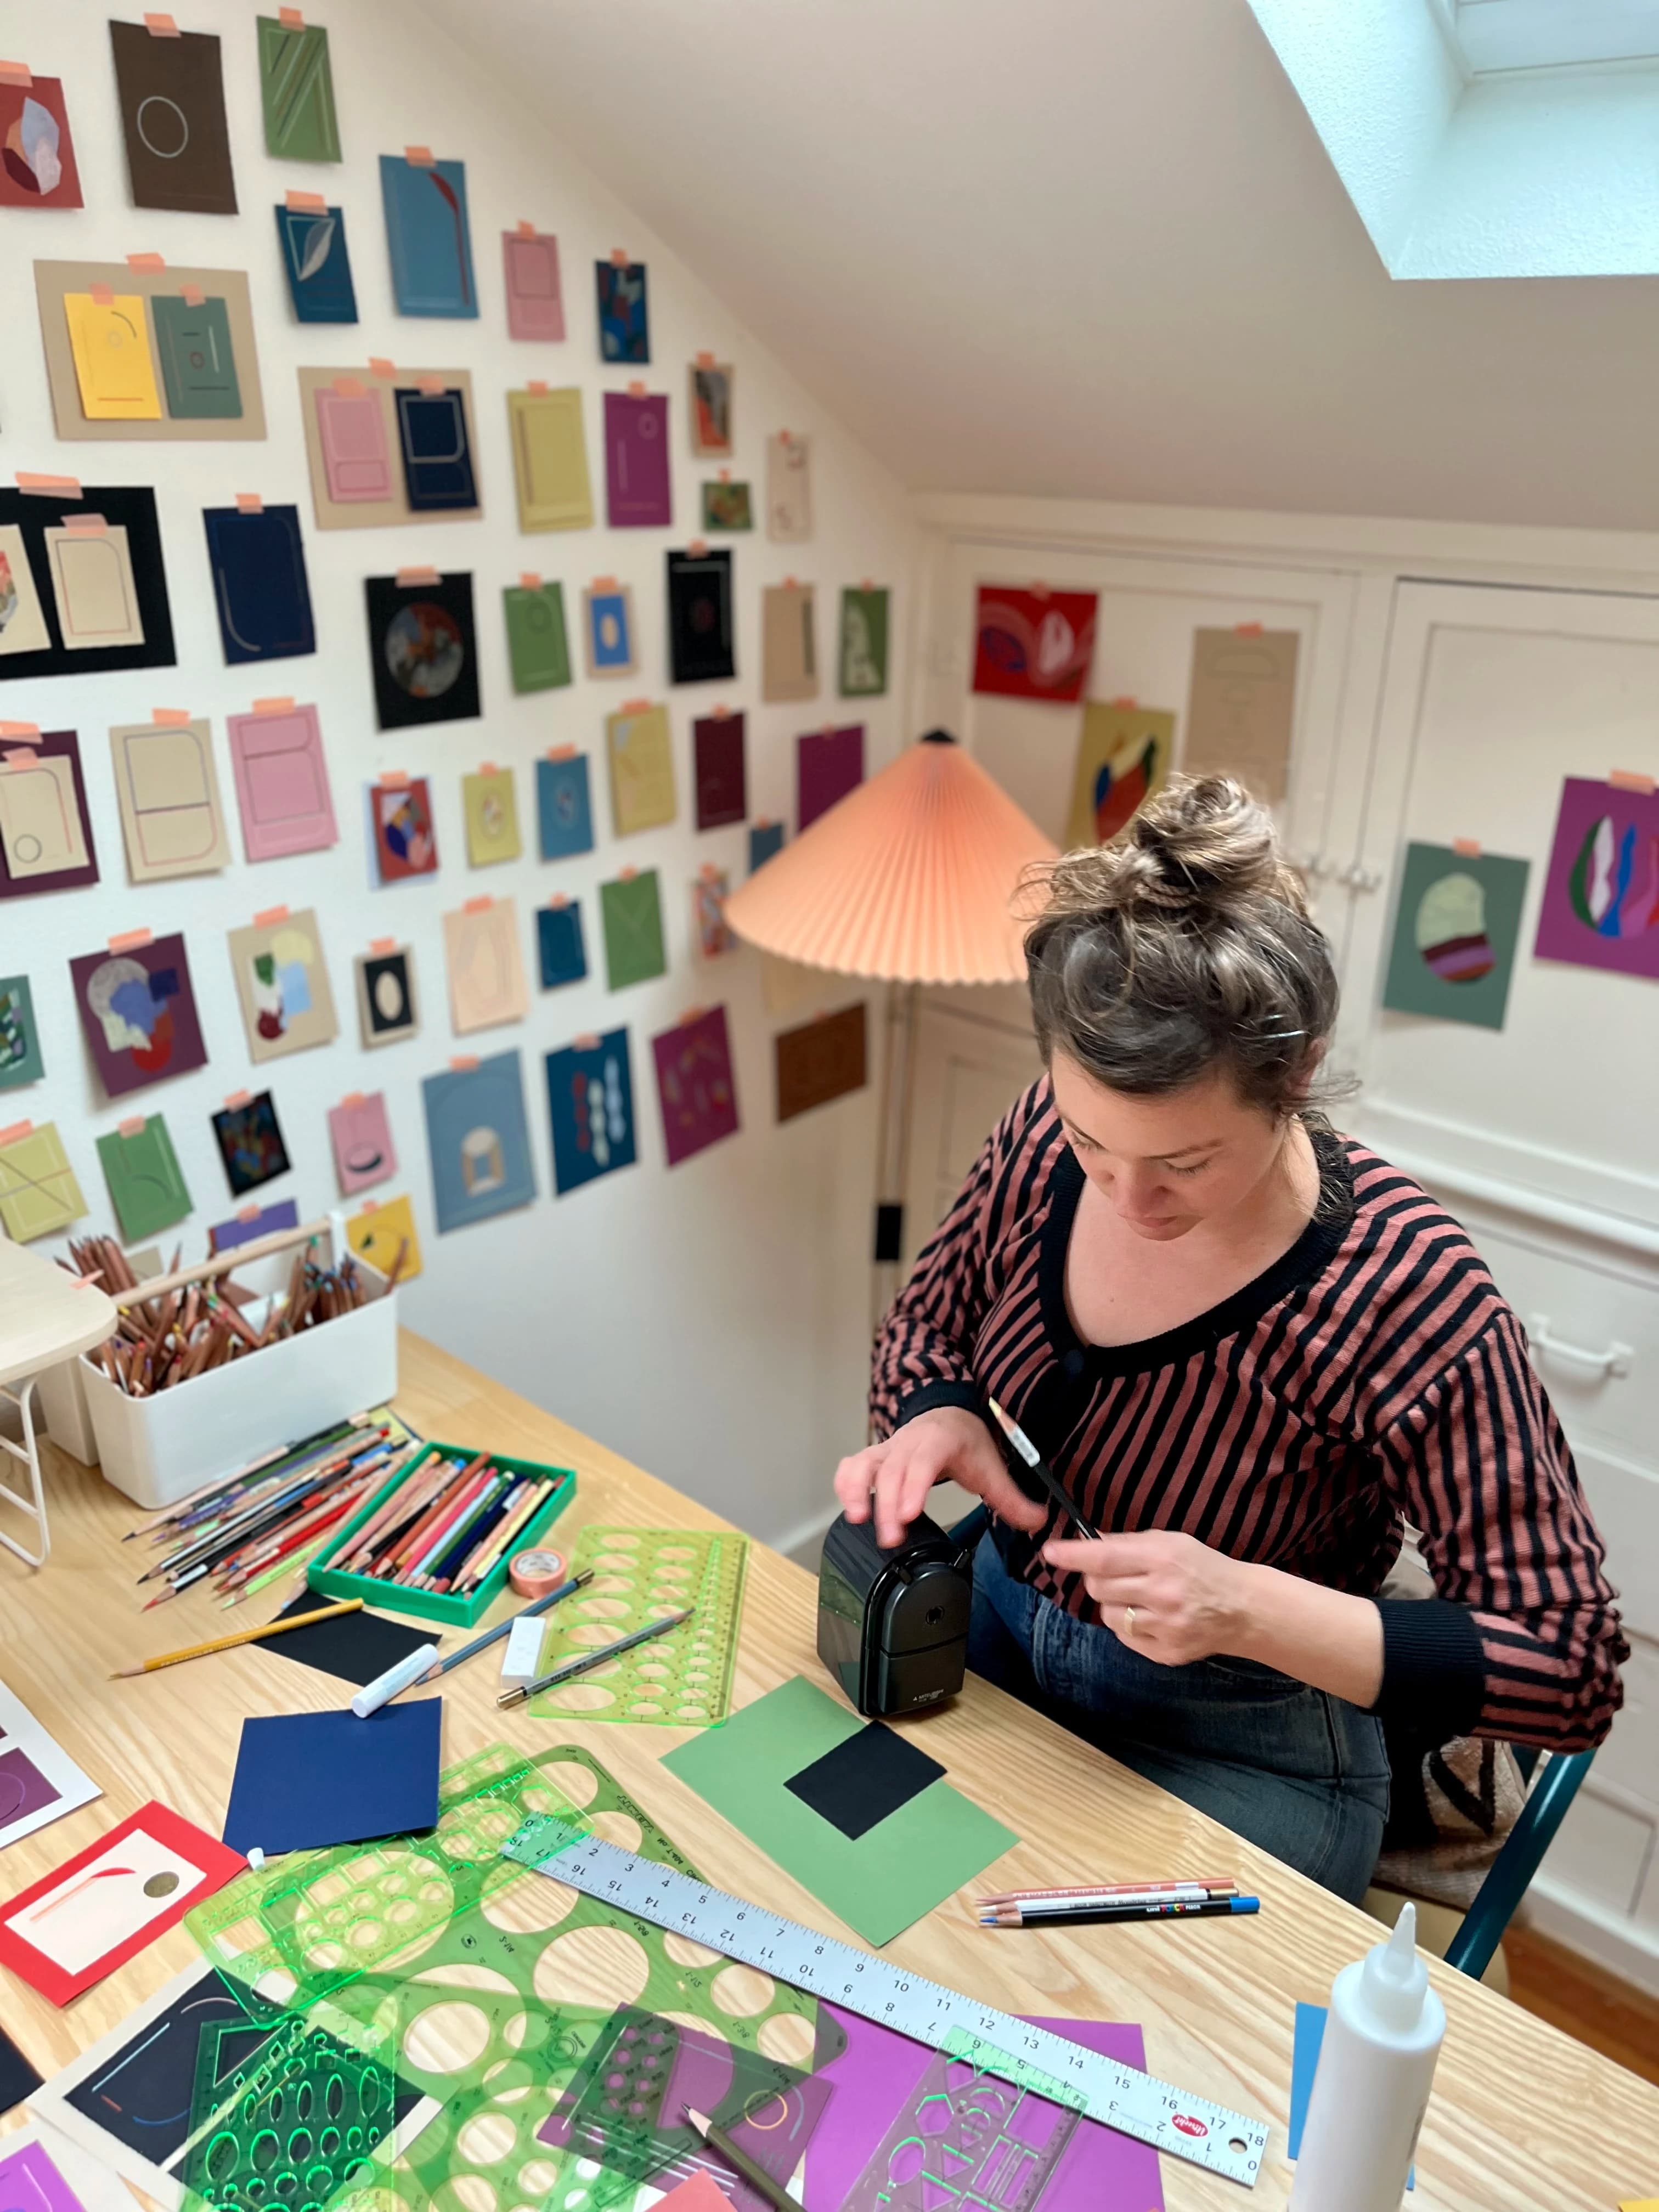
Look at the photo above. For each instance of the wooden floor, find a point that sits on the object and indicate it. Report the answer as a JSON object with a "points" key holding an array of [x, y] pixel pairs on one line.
{"points": [[1584, 2000]]}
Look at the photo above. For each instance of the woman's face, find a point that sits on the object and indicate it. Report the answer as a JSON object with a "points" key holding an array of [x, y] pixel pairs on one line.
{"points": [[1165, 1163]]}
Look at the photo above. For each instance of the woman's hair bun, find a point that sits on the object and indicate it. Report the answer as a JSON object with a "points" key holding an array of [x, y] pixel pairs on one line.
{"points": [[1202, 848]]}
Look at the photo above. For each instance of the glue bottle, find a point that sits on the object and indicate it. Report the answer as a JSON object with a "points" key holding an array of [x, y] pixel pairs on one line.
{"points": [[1382, 2035]]}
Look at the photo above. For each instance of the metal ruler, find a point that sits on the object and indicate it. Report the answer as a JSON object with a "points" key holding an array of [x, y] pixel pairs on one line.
{"points": [[1136, 2104]]}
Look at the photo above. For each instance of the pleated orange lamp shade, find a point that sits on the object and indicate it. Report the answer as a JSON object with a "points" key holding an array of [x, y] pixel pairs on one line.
{"points": [[911, 878]]}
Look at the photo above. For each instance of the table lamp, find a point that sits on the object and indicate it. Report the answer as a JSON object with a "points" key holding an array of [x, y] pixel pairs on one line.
{"points": [[910, 880]]}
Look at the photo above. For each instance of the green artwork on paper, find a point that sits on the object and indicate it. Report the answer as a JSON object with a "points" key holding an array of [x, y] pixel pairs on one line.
{"points": [[880, 1883], [863, 644], [537, 645], [198, 367], [20, 1040], [146, 1186], [1457, 930], [631, 909], [296, 90]]}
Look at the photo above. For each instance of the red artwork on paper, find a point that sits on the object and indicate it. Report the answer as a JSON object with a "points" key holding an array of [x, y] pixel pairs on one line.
{"points": [[1033, 645]]}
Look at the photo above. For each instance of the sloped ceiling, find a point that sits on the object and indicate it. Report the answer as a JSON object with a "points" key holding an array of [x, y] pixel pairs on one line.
{"points": [[1085, 248]]}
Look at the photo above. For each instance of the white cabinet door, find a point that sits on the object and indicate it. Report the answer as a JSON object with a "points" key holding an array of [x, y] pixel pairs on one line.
{"points": [[1543, 1136]]}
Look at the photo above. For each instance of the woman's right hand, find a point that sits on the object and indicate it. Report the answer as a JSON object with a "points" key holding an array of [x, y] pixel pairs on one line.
{"points": [[898, 1473]]}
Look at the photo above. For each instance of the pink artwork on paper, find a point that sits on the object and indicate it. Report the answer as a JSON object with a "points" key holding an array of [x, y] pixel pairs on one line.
{"points": [[282, 783]]}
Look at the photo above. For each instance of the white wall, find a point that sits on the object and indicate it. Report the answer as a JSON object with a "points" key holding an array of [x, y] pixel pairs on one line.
{"points": [[710, 1322]]}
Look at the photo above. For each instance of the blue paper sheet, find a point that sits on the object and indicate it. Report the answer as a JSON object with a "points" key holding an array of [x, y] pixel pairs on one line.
{"points": [[1305, 2061], [306, 1780]]}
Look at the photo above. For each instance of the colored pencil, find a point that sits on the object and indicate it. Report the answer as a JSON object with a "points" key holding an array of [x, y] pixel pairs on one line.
{"points": [[748, 2169], [240, 1635], [574, 1667], [1044, 1474], [502, 1627], [1088, 1892], [474, 1569], [1165, 1908]]}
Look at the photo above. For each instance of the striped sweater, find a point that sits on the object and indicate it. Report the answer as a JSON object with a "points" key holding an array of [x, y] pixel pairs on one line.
{"points": [[1372, 1377]]}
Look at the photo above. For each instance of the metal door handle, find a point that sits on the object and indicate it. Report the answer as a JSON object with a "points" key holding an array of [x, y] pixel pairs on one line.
{"points": [[1615, 1360]]}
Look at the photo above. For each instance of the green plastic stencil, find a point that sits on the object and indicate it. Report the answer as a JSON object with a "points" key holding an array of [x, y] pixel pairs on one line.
{"points": [[290, 1933], [641, 1575], [987, 2058], [296, 2121]]}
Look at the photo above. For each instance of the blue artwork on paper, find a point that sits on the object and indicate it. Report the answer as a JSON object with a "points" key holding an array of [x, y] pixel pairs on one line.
{"points": [[590, 1103], [316, 264], [559, 940], [428, 237], [478, 1141], [260, 589], [564, 806], [437, 456], [624, 330], [765, 838]]}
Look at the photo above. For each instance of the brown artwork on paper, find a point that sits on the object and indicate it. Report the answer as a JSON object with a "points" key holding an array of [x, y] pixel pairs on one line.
{"points": [[821, 1061]]}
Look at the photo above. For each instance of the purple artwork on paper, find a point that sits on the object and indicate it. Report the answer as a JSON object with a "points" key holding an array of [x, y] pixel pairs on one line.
{"points": [[828, 764], [138, 1013], [917, 2131], [636, 460], [1601, 895], [29, 2181], [695, 1082], [23, 1789]]}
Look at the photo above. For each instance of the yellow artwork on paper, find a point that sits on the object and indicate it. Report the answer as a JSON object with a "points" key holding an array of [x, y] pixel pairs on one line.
{"points": [[550, 460], [39, 1195], [379, 1232], [113, 364], [491, 808], [641, 769]]}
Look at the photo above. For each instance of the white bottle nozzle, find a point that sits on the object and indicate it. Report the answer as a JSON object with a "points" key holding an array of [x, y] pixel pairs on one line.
{"points": [[1396, 1978]]}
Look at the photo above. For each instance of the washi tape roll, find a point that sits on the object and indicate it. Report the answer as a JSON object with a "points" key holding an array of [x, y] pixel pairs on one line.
{"points": [[533, 1574]]}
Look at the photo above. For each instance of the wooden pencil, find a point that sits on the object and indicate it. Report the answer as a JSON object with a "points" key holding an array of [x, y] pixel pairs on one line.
{"points": [[240, 1636]]}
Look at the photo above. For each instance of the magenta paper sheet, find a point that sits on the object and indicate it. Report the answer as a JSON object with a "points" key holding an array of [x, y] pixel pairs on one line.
{"points": [[636, 460], [1601, 895], [910, 2131], [828, 764]]}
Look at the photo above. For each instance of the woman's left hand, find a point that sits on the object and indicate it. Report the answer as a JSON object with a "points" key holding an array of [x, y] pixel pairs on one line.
{"points": [[1167, 1595]]}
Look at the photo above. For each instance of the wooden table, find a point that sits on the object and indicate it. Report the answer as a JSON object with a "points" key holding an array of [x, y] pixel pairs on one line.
{"points": [[1523, 2119]]}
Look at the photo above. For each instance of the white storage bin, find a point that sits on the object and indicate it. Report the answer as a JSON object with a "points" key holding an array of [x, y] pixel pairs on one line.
{"points": [[159, 1449]]}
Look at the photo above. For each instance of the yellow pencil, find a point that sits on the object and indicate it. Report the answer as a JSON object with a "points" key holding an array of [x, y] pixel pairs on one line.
{"points": [[242, 1636]]}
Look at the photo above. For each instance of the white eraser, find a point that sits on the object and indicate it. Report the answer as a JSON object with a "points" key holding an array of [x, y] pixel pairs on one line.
{"points": [[521, 1654], [370, 1701]]}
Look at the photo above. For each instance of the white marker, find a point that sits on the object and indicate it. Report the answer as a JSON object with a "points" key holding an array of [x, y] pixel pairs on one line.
{"points": [[371, 1698]]}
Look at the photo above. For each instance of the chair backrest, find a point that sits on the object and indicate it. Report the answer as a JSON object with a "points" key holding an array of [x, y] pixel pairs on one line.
{"points": [[1507, 1879]]}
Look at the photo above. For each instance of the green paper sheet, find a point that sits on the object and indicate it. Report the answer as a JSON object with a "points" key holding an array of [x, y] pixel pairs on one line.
{"points": [[631, 909], [296, 91], [145, 1185], [1456, 929], [894, 1873], [863, 657], [538, 648], [198, 362]]}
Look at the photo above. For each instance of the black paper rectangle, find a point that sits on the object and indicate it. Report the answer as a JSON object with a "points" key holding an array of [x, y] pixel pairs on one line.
{"points": [[864, 1778]]}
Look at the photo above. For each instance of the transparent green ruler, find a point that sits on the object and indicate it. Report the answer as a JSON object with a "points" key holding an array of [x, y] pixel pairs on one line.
{"points": [[1138, 2105]]}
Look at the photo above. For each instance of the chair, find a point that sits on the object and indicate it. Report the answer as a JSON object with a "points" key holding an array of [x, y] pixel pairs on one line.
{"points": [[1474, 1939]]}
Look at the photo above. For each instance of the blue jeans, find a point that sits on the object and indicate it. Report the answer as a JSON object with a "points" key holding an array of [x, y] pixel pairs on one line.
{"points": [[1303, 1774]]}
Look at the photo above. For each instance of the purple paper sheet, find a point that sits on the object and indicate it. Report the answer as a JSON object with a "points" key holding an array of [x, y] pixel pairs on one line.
{"points": [[828, 764], [1029, 2156], [23, 1789], [636, 460], [1601, 907], [138, 1013], [30, 2182]]}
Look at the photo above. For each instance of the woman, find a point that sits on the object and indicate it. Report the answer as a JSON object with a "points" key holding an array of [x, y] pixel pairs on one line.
{"points": [[1252, 1351]]}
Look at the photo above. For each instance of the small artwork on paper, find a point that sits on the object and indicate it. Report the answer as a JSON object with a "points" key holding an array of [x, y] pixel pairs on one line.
{"points": [[23, 620], [1123, 758], [711, 411], [695, 1083], [486, 975], [564, 808], [385, 1235], [39, 1194], [1032, 644], [608, 625], [478, 1141], [788, 490], [318, 264], [44, 833], [361, 1134], [1241, 710], [863, 670], [1456, 931], [821, 1061], [709, 893], [590, 1097], [138, 1013], [405, 842], [39, 1780], [20, 1060], [624, 326], [727, 506], [1601, 895], [423, 650], [253, 1221], [250, 1144], [37, 154], [282, 981], [387, 1008]]}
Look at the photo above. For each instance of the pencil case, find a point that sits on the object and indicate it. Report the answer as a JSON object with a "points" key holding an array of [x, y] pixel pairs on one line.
{"points": [[439, 1605]]}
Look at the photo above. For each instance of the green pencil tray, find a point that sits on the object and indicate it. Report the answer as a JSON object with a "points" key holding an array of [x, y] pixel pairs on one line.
{"points": [[438, 1605]]}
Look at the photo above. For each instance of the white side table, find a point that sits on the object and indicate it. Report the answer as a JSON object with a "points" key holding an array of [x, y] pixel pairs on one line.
{"points": [[46, 1317]]}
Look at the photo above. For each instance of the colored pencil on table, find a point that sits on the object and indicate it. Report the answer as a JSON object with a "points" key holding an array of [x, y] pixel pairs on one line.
{"points": [[1213, 1884], [417, 1562], [473, 1571], [1164, 1908], [242, 1635], [485, 1517], [408, 1498]]}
